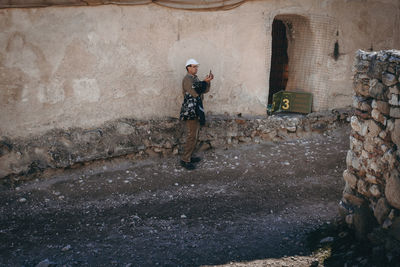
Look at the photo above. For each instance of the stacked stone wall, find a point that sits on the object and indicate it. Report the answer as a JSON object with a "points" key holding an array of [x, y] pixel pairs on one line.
{"points": [[161, 138], [371, 198]]}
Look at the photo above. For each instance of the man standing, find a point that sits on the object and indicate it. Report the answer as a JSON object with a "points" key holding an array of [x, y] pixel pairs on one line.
{"points": [[192, 109]]}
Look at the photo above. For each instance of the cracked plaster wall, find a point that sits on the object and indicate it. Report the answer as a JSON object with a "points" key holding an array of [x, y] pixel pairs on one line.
{"points": [[63, 67]]}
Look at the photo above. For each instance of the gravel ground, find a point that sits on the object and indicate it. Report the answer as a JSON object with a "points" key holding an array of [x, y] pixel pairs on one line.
{"points": [[271, 204]]}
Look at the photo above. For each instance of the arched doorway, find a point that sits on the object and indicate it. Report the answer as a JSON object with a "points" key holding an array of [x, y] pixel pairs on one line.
{"points": [[279, 59]]}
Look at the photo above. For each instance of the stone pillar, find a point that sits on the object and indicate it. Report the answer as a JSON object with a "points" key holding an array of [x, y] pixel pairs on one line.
{"points": [[371, 197]]}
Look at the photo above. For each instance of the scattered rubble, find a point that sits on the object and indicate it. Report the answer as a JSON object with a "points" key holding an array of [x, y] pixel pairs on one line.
{"points": [[240, 205]]}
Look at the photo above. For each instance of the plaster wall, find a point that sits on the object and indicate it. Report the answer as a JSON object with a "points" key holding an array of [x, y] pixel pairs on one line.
{"points": [[63, 67]]}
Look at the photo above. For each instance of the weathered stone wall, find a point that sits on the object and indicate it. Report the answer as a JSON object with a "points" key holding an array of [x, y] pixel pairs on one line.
{"points": [[140, 139], [78, 67], [371, 197]]}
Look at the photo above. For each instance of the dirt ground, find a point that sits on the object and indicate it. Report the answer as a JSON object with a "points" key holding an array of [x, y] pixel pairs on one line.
{"points": [[272, 204]]}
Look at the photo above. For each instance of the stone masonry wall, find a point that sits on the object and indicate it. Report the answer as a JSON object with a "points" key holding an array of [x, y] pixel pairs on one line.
{"points": [[371, 198], [140, 139]]}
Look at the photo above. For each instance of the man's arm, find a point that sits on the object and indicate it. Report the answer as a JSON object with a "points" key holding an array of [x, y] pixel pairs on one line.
{"points": [[208, 81], [208, 87]]}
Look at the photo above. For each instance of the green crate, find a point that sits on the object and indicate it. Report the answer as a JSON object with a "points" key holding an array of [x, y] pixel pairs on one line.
{"points": [[299, 102]]}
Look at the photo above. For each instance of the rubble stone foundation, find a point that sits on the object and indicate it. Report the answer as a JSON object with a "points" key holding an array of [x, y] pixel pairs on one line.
{"points": [[140, 139]]}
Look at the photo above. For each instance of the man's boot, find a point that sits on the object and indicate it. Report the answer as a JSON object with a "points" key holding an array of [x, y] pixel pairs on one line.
{"points": [[187, 165]]}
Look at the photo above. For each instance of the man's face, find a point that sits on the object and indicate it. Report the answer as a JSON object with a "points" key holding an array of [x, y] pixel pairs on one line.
{"points": [[192, 69]]}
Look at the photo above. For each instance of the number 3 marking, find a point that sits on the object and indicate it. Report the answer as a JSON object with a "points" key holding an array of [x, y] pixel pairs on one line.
{"points": [[285, 103]]}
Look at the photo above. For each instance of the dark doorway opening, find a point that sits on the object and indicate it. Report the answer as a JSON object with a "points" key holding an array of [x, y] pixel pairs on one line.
{"points": [[279, 59]]}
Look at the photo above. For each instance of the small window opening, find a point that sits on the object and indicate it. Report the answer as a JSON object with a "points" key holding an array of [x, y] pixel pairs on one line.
{"points": [[279, 59], [336, 51]]}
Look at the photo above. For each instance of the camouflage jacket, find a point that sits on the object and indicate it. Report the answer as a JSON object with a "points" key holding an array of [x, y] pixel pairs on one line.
{"points": [[192, 106]]}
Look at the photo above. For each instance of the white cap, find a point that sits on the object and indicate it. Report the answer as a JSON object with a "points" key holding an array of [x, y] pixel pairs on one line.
{"points": [[191, 62]]}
